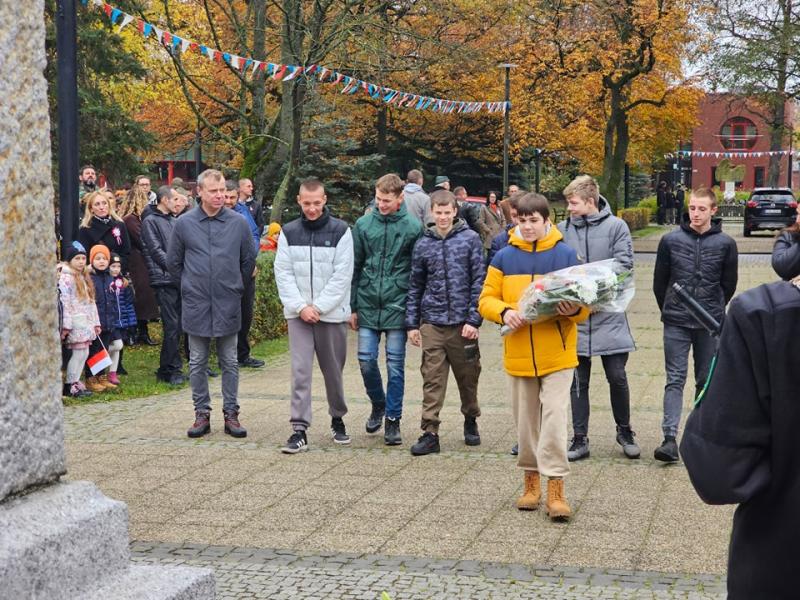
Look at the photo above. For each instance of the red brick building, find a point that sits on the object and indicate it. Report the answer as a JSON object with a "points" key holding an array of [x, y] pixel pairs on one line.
{"points": [[727, 123]]}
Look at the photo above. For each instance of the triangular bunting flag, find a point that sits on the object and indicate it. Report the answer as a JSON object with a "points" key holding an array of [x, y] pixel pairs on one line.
{"points": [[126, 20]]}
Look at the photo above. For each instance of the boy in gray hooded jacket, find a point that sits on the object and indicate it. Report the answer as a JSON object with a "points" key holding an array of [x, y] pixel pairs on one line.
{"points": [[595, 234]]}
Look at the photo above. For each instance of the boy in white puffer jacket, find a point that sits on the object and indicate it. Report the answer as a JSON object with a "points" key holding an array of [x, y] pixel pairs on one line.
{"points": [[313, 271]]}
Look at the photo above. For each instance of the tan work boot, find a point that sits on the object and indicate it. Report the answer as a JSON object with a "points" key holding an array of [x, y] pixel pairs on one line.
{"points": [[107, 385], [556, 506], [93, 384], [532, 492]]}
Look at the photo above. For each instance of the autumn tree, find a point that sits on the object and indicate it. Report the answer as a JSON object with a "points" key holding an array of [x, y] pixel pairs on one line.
{"points": [[755, 55], [596, 66]]}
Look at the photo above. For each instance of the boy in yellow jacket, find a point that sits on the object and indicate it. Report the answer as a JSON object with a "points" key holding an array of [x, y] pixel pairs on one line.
{"points": [[540, 358]]}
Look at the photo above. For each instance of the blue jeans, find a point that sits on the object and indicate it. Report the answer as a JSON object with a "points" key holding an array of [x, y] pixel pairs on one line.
{"points": [[677, 341], [390, 401]]}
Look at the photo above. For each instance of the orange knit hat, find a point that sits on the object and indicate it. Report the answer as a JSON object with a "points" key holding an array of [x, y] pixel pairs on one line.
{"points": [[99, 249]]}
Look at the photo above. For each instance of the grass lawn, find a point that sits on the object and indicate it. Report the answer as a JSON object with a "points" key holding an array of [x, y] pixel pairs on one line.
{"points": [[649, 230], [141, 363]]}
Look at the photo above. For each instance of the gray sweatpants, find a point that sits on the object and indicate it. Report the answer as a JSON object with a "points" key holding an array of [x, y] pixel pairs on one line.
{"points": [[198, 372], [329, 342]]}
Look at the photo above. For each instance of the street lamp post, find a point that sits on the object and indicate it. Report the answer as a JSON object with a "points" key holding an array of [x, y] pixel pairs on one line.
{"points": [[67, 97], [507, 123]]}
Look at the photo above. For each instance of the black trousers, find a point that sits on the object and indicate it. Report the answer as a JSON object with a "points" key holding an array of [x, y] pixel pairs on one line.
{"points": [[169, 304], [614, 367], [248, 301]]}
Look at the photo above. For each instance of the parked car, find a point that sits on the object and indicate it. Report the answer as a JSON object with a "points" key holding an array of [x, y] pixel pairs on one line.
{"points": [[769, 208]]}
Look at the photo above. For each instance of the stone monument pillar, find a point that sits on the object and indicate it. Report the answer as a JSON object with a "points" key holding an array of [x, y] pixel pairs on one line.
{"points": [[57, 540]]}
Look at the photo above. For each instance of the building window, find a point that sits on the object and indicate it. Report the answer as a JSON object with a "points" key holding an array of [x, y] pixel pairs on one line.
{"points": [[714, 180], [758, 177], [738, 133]]}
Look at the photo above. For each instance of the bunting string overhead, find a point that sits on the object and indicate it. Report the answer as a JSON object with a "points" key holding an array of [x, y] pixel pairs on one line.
{"points": [[734, 154], [350, 85]]}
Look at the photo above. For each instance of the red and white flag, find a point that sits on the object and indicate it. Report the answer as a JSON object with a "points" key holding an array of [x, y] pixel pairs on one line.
{"points": [[99, 360]]}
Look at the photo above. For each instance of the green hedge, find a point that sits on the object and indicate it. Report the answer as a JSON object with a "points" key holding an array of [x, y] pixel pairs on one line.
{"points": [[268, 321], [636, 218]]}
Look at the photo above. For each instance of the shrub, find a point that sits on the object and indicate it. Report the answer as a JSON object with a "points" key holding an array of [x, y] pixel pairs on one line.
{"points": [[268, 320], [636, 218], [649, 203]]}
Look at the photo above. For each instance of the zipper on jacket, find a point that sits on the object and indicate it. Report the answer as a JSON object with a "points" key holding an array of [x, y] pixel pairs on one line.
{"points": [[561, 333], [446, 285], [586, 238], [380, 280], [311, 263], [696, 267], [530, 327]]}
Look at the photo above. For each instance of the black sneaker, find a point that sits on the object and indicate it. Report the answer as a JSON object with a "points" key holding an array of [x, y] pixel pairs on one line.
{"points": [[578, 449], [391, 434], [297, 442], [625, 439], [668, 450], [428, 443], [471, 435], [515, 450], [339, 432], [251, 363], [375, 420]]}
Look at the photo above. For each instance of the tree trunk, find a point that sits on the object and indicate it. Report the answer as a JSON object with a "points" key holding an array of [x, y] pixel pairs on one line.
{"points": [[382, 135], [615, 148], [776, 138]]}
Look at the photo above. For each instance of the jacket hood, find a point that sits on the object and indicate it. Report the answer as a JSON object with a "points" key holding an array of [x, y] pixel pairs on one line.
{"points": [[551, 238], [716, 226], [412, 188], [603, 212], [459, 225], [395, 216]]}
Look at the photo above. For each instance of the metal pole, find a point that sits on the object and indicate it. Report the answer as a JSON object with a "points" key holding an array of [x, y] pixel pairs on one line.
{"points": [[507, 126], [67, 98], [538, 156]]}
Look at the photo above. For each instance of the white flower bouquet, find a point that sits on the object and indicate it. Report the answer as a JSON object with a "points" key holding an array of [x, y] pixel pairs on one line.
{"points": [[602, 286]]}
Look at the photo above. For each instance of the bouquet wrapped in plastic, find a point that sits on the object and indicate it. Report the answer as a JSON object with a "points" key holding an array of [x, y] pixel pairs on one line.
{"points": [[602, 286]]}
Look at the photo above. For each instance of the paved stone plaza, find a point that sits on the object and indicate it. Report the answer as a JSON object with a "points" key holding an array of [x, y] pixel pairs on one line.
{"points": [[351, 522]]}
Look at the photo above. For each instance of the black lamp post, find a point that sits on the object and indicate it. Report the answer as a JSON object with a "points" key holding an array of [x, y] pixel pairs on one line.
{"points": [[507, 123], [67, 94]]}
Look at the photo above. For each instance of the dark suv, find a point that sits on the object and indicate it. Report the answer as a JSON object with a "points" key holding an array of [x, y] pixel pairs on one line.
{"points": [[769, 208]]}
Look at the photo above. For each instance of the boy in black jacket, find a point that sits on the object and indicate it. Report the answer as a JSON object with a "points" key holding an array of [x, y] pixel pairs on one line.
{"points": [[704, 260]]}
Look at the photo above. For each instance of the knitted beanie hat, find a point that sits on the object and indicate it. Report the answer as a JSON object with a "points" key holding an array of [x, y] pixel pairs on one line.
{"points": [[74, 250], [99, 249]]}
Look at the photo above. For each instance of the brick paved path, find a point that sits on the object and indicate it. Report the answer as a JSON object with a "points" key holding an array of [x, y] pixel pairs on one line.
{"points": [[259, 573], [630, 516]]}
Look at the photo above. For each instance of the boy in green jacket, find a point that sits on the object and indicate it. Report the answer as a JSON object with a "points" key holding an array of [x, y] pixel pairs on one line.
{"points": [[383, 242]]}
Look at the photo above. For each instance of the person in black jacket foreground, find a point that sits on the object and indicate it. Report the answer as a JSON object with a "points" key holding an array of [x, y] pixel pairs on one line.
{"points": [[786, 251], [703, 260], [740, 444]]}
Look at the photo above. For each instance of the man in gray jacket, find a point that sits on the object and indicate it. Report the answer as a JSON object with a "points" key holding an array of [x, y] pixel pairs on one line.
{"points": [[210, 254], [417, 202], [596, 234]]}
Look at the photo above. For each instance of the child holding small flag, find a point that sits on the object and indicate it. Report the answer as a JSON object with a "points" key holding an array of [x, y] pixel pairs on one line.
{"points": [[80, 321], [110, 338]]}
